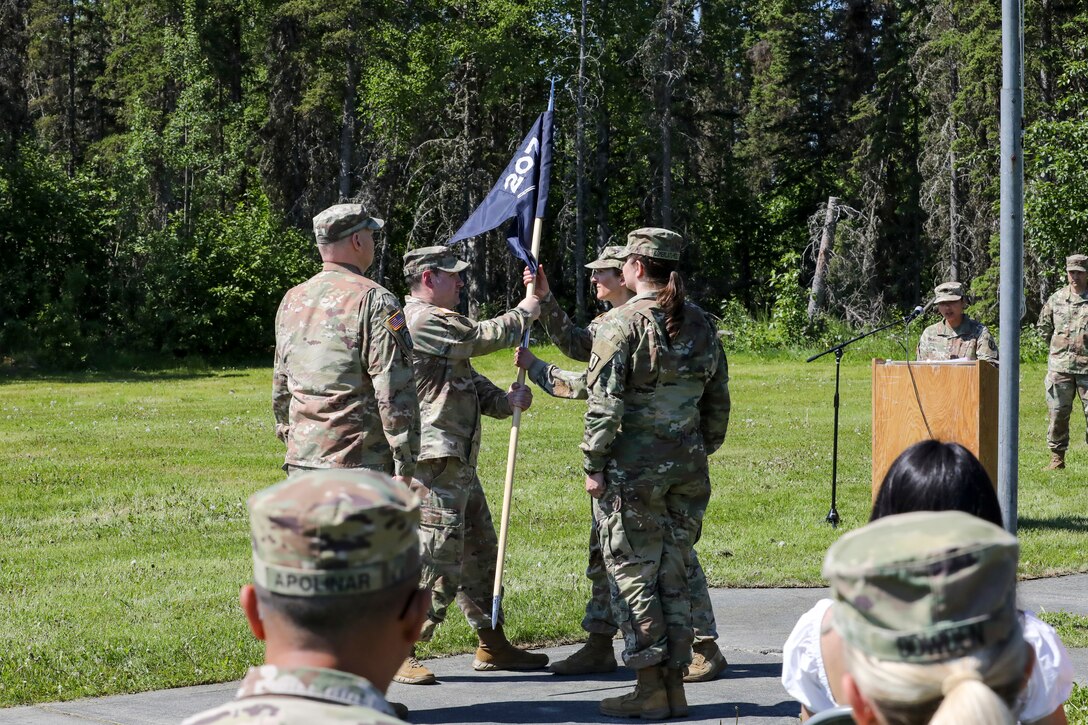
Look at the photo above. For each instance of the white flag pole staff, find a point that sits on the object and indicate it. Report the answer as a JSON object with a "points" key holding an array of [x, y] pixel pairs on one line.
{"points": [[515, 428]]}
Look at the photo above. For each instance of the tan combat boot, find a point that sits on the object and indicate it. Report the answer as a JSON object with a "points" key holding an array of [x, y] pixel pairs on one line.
{"points": [[411, 672], [649, 700], [595, 656], [707, 663], [674, 689], [1057, 461], [496, 653]]}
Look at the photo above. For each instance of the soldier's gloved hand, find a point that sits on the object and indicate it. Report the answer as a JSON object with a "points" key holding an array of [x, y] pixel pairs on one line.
{"points": [[523, 358], [520, 396], [595, 484], [542, 290], [531, 305]]}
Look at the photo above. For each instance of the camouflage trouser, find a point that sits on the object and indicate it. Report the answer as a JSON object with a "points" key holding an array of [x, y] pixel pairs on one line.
{"points": [[1061, 389], [648, 524], [457, 540], [291, 469], [599, 618]]}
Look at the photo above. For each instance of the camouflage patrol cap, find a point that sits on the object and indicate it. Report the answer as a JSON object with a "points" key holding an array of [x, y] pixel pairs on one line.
{"points": [[1076, 263], [610, 258], [424, 258], [948, 292], [334, 532], [924, 587], [342, 220], [654, 242]]}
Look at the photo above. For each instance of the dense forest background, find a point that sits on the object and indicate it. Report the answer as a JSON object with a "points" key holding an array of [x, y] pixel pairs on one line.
{"points": [[160, 160]]}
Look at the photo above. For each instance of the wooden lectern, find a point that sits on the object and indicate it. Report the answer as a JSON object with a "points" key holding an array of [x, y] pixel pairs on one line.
{"points": [[959, 398]]}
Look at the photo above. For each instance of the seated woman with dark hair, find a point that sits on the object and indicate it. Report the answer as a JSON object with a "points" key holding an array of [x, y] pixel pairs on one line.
{"points": [[928, 476]]}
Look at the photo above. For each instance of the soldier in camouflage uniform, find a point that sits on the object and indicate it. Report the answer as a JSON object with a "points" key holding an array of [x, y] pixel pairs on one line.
{"points": [[457, 536], [336, 570], [1064, 319], [957, 337], [342, 387], [658, 405], [925, 604], [577, 343]]}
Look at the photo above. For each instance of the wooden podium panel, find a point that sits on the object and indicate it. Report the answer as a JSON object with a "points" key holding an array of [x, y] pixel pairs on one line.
{"points": [[959, 398]]}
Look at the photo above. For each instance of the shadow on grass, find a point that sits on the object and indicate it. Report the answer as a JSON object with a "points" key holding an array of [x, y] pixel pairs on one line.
{"points": [[1059, 523], [135, 370]]}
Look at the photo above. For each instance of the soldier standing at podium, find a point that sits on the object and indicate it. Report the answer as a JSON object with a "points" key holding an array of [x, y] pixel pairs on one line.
{"points": [[1065, 319], [957, 336]]}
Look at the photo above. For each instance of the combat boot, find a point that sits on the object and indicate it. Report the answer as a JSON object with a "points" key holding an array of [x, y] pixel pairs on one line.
{"points": [[674, 689], [707, 662], [496, 653], [595, 656], [1057, 461], [412, 672], [400, 710], [649, 700]]}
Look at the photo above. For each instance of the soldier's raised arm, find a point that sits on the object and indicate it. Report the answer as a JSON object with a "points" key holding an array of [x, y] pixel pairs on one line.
{"points": [[388, 360], [573, 341]]}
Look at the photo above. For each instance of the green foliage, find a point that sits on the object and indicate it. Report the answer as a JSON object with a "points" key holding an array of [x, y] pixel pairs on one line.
{"points": [[216, 291]]}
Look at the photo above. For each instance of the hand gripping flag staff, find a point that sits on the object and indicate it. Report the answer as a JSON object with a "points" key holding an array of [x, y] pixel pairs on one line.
{"points": [[519, 197]]}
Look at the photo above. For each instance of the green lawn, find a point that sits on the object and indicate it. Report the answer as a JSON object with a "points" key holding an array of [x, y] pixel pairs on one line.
{"points": [[123, 536]]}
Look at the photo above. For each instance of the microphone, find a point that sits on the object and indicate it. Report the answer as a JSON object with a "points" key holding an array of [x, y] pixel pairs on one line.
{"points": [[915, 313]]}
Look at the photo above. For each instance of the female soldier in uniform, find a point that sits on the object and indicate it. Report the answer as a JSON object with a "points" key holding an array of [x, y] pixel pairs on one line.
{"points": [[658, 405]]}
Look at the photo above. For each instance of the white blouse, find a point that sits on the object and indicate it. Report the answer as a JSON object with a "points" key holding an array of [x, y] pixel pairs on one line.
{"points": [[805, 680]]}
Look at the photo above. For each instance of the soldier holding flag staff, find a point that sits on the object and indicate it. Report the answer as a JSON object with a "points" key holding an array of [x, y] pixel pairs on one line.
{"points": [[658, 405], [457, 536]]}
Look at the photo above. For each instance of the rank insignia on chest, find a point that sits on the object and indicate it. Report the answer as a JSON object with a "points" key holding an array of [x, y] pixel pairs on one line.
{"points": [[395, 321]]}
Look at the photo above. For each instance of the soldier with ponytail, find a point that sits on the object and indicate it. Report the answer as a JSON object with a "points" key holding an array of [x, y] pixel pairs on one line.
{"points": [[658, 406], [926, 609]]}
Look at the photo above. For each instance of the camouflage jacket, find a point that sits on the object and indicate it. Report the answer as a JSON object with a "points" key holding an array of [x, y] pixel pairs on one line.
{"points": [[272, 695], [970, 341], [452, 395], [651, 399], [342, 388], [1065, 320], [574, 342]]}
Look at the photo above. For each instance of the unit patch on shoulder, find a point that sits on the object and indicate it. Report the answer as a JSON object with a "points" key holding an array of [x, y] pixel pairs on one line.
{"points": [[395, 321]]}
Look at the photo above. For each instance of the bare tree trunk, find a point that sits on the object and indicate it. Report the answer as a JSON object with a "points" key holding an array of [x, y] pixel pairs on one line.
{"points": [[827, 242], [580, 183], [666, 118], [71, 116], [953, 218], [604, 228], [347, 125]]}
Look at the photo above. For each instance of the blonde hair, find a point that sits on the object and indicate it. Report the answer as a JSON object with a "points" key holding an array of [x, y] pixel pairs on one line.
{"points": [[982, 688]]}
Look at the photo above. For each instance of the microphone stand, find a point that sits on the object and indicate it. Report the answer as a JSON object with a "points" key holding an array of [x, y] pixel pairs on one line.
{"points": [[833, 514]]}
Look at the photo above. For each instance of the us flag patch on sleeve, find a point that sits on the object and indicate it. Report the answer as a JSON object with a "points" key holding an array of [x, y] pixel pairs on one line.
{"points": [[395, 321]]}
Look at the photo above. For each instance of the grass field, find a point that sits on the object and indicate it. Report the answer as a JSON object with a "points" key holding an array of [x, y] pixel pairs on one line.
{"points": [[123, 536]]}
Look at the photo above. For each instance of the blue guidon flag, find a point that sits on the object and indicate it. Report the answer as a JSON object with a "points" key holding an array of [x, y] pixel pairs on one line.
{"points": [[520, 194]]}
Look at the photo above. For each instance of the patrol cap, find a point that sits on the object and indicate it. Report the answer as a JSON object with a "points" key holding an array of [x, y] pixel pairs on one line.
{"points": [[924, 587], [334, 532], [424, 258], [1076, 263], [342, 220], [610, 258], [948, 292], [654, 242]]}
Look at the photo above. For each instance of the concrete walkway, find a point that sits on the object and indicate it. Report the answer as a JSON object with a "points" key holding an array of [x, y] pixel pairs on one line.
{"points": [[752, 623]]}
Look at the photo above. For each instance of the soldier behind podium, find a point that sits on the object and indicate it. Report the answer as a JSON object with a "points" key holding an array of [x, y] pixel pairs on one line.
{"points": [[1064, 319], [335, 598], [957, 336]]}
